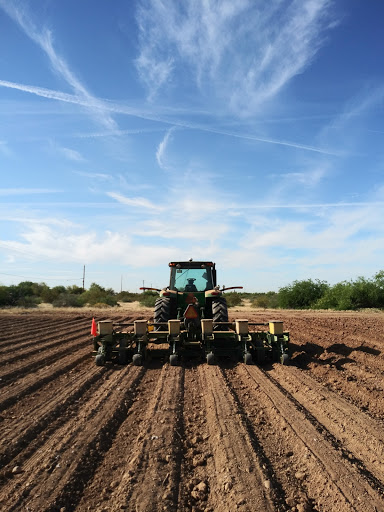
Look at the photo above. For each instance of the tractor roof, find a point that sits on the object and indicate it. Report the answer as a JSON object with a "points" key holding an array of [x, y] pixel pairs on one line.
{"points": [[191, 264]]}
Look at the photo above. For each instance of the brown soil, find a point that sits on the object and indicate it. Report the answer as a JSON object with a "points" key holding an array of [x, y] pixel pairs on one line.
{"points": [[304, 437]]}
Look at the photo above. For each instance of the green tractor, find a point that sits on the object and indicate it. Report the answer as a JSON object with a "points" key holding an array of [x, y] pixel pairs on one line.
{"points": [[191, 320], [192, 295]]}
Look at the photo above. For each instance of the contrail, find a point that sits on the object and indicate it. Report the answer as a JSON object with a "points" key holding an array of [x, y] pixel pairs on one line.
{"points": [[121, 109]]}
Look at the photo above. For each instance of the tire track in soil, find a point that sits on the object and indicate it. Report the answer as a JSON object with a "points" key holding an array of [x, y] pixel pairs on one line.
{"points": [[42, 344], [14, 345], [58, 466], [16, 325], [345, 353], [104, 491], [197, 466], [354, 432], [346, 330], [28, 326], [22, 368], [238, 481], [31, 421], [34, 381], [318, 470], [357, 383], [151, 477]]}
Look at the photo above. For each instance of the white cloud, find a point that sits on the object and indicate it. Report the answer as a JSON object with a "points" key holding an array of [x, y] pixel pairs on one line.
{"points": [[95, 175], [343, 238], [310, 178], [160, 153], [43, 243], [172, 229], [241, 52], [43, 38], [71, 154], [136, 202]]}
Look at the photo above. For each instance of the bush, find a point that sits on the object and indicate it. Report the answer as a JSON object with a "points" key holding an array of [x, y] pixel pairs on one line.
{"points": [[128, 297], [28, 302], [51, 294], [148, 299], [260, 302], [98, 294], [101, 305], [265, 300], [302, 294], [233, 299], [74, 289], [362, 293], [69, 300]]}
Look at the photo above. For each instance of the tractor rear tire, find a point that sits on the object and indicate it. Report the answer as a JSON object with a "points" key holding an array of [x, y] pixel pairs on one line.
{"points": [[220, 313], [162, 313]]}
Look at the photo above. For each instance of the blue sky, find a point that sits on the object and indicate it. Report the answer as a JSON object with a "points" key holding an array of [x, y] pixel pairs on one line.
{"points": [[134, 133]]}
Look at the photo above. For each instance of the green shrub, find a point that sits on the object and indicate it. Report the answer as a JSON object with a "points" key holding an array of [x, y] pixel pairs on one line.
{"points": [[98, 294], [128, 297], [265, 300], [4, 296], [260, 302], [358, 294], [148, 299], [28, 302], [74, 289], [68, 300], [302, 294], [233, 299]]}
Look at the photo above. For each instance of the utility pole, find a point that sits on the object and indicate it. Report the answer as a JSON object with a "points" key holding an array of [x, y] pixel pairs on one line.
{"points": [[83, 276]]}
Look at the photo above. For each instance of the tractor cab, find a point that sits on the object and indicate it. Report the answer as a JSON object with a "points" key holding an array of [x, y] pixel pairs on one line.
{"points": [[192, 276]]}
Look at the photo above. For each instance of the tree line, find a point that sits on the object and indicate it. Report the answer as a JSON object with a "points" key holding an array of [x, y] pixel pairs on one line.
{"points": [[305, 294]]}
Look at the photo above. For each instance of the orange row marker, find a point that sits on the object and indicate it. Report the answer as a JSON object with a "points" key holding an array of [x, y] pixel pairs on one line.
{"points": [[93, 328]]}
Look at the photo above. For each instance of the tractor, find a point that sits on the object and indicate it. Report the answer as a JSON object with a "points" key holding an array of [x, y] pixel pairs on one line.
{"points": [[191, 320]]}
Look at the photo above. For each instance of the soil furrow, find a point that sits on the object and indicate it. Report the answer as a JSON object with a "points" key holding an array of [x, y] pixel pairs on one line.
{"points": [[299, 438], [14, 345], [34, 329], [197, 466], [331, 480], [360, 438], [44, 359], [55, 473], [152, 473], [34, 381], [238, 481], [17, 433], [101, 491], [43, 344]]}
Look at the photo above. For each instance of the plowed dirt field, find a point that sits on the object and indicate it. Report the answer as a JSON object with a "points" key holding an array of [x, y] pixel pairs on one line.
{"points": [[308, 436]]}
